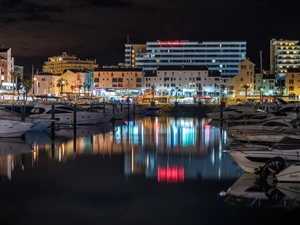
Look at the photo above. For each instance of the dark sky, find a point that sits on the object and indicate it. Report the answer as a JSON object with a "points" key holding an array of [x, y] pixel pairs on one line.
{"points": [[97, 29]]}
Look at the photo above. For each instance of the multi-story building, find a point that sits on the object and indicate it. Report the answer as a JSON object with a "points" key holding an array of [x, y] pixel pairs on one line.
{"points": [[78, 81], [131, 52], [117, 81], [57, 64], [45, 83], [264, 83], [284, 54], [69, 83], [242, 84], [6, 68], [222, 56], [184, 80], [292, 83]]}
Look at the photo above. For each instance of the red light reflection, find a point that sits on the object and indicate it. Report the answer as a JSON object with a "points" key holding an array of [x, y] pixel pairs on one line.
{"points": [[170, 174]]}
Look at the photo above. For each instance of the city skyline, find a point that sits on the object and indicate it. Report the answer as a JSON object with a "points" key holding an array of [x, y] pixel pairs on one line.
{"points": [[36, 30]]}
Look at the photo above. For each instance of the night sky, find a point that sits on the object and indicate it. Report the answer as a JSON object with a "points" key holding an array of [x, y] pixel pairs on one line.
{"points": [[97, 29]]}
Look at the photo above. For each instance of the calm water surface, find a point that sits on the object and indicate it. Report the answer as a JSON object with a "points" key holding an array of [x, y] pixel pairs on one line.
{"points": [[149, 170]]}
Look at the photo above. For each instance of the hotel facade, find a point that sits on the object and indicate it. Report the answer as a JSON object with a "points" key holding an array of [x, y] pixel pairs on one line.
{"points": [[222, 56], [58, 64], [284, 54]]}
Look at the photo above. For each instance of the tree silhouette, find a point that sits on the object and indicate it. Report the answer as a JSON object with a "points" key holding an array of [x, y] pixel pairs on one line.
{"points": [[14, 76], [27, 84], [61, 83], [246, 87]]}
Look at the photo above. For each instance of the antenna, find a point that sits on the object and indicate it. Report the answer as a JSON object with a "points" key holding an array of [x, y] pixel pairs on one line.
{"points": [[128, 41]]}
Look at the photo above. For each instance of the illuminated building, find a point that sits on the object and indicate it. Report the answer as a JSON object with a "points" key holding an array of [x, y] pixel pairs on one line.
{"points": [[284, 54], [222, 56], [6, 67], [131, 51], [292, 83], [57, 64], [114, 79], [236, 85], [185, 79]]}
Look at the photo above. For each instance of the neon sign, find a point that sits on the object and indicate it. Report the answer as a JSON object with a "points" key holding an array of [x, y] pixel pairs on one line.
{"points": [[170, 174], [171, 43]]}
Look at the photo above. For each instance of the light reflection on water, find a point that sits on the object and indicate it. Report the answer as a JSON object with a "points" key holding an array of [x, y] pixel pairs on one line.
{"points": [[147, 144]]}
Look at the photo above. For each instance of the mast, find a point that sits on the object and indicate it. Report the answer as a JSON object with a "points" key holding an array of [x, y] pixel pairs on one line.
{"points": [[261, 77]]}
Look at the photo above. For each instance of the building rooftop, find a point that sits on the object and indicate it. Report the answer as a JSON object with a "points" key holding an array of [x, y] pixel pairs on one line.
{"points": [[118, 69], [4, 49]]}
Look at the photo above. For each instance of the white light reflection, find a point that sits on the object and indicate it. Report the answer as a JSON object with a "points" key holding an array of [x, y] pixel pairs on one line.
{"points": [[59, 154], [213, 156]]}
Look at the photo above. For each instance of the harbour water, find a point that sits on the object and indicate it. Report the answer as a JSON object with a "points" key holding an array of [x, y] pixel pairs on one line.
{"points": [[149, 170]]}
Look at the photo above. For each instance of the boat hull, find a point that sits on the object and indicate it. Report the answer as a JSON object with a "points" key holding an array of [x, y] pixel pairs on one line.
{"points": [[13, 128], [289, 174]]}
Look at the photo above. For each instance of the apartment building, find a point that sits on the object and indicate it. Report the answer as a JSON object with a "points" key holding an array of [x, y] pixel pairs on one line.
{"points": [[284, 54], [117, 80], [6, 68], [187, 80], [131, 52], [292, 83], [222, 56], [242, 85], [58, 64]]}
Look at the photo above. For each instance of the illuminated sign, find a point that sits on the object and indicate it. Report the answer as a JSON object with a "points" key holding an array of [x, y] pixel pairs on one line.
{"points": [[170, 174], [171, 43]]}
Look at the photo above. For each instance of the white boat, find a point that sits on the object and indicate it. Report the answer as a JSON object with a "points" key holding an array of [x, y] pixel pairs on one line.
{"points": [[247, 191], [39, 123], [152, 111], [146, 110], [282, 169], [227, 113], [266, 136], [108, 109], [265, 125], [257, 118], [64, 114], [11, 128], [251, 158]]}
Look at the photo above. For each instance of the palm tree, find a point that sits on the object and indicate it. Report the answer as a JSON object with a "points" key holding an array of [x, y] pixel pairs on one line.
{"points": [[14, 76], [246, 87], [79, 86], [27, 86], [153, 93], [61, 83]]}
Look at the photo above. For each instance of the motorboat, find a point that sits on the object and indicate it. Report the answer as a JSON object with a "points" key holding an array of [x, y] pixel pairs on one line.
{"points": [[272, 124], [282, 169], [64, 114], [147, 110], [227, 113], [266, 135], [247, 191], [40, 124], [12, 128], [256, 118], [251, 158], [108, 109]]}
